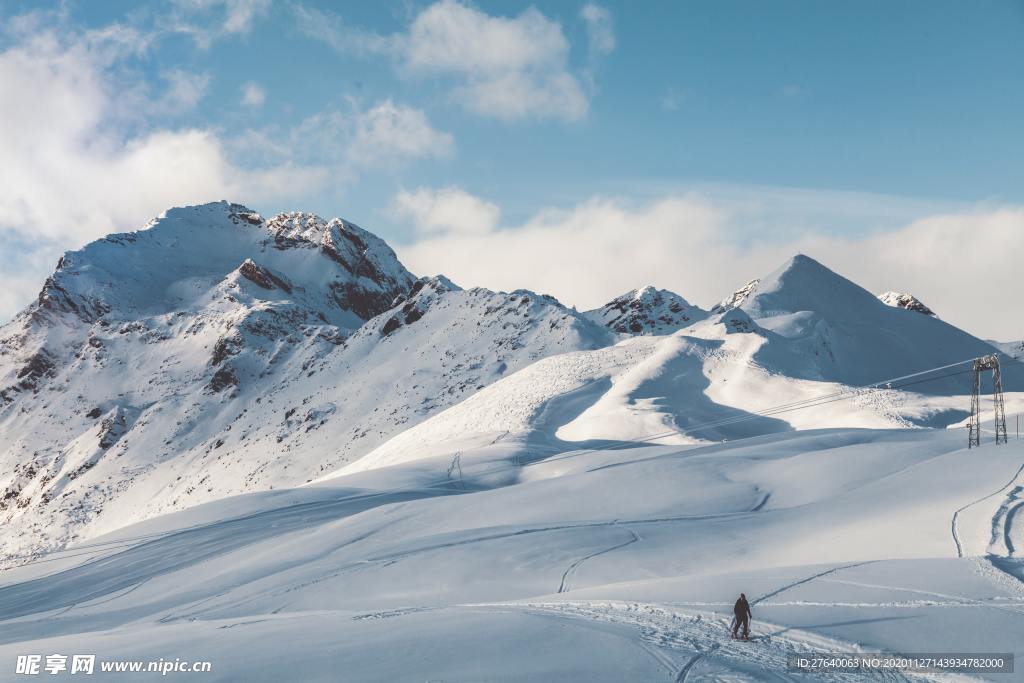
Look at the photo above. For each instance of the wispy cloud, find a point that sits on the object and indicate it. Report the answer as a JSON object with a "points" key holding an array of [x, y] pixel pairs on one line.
{"points": [[185, 89], [600, 33], [253, 95], [449, 211], [209, 20], [510, 68], [388, 131]]}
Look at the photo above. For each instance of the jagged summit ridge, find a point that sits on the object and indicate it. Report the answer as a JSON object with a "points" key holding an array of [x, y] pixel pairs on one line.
{"points": [[646, 311], [735, 299], [187, 251]]}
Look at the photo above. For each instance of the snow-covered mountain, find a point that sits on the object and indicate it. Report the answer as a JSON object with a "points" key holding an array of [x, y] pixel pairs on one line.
{"points": [[904, 300], [803, 338], [270, 446], [646, 311], [834, 330], [215, 352]]}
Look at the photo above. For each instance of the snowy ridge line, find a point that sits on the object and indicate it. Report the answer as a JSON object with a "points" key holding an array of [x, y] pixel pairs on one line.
{"points": [[118, 544]]}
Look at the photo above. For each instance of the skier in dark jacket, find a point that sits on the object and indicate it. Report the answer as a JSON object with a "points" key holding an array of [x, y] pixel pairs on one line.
{"points": [[743, 616]]}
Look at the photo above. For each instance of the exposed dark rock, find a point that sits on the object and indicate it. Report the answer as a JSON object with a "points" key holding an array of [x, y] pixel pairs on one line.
{"points": [[263, 277], [222, 379], [113, 428], [40, 365], [364, 303], [225, 347], [56, 299]]}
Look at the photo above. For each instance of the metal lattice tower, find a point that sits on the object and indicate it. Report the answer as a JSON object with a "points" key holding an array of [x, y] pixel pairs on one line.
{"points": [[982, 364]]}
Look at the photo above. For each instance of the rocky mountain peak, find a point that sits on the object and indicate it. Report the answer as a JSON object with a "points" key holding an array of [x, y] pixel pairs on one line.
{"points": [[735, 299], [646, 311], [905, 301]]}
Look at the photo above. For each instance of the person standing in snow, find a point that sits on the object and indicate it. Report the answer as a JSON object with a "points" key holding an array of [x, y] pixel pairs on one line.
{"points": [[742, 612]]}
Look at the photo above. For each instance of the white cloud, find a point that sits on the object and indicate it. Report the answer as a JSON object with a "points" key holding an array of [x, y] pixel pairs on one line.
{"points": [[518, 95], [240, 14], [697, 247], [450, 36], [331, 29], [599, 28], [510, 68], [184, 91], [207, 20], [349, 139], [78, 165], [388, 132], [507, 67], [450, 210], [67, 169], [253, 95]]}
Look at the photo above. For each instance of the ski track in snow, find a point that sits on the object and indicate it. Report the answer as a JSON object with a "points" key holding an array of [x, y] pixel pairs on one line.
{"points": [[684, 672], [685, 641], [1007, 517], [957, 513], [563, 587]]}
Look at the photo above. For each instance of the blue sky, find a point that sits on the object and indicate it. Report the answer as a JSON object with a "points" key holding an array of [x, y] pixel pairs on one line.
{"points": [[475, 136]]}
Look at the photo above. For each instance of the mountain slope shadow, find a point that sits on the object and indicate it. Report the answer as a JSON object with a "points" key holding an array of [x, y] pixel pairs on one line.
{"points": [[680, 391]]}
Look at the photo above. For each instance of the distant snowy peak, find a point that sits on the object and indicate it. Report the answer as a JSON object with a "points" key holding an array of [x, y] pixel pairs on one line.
{"points": [[906, 301], [735, 299], [646, 311]]}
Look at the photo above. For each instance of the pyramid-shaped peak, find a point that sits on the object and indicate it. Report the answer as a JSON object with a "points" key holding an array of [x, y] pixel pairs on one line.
{"points": [[803, 263], [804, 284]]}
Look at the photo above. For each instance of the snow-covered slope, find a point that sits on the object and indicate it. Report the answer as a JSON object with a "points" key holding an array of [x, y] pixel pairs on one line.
{"points": [[215, 353], [602, 566], [646, 311]]}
